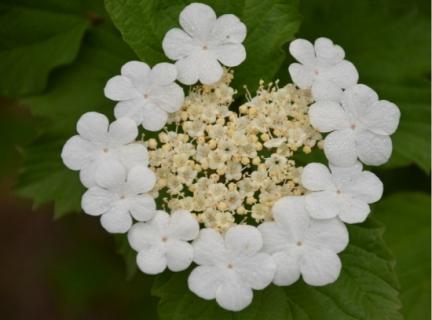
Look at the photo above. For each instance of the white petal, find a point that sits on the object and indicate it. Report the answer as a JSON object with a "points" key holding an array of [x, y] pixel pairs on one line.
{"points": [[290, 213], [344, 175], [210, 71], [142, 208], [163, 74], [243, 240], [366, 187], [169, 98], [316, 177], [138, 71], [257, 271], [151, 260], [209, 248], [93, 126], [324, 89], [77, 153], [373, 149], [303, 51], [322, 204], [204, 281], [140, 180], [320, 266], [87, 174], [197, 20], [121, 88], [287, 268], [340, 148], [122, 131], [354, 211], [331, 234], [328, 51], [183, 225], [142, 235], [357, 100], [154, 118], [382, 118], [230, 54], [110, 174], [233, 295], [302, 76], [326, 116], [188, 70], [95, 201], [131, 109], [116, 220], [343, 74], [274, 237], [161, 222], [228, 29], [133, 154], [179, 255], [177, 44]]}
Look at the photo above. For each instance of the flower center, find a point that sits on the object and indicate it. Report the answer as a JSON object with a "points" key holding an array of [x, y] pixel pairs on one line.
{"points": [[146, 96], [230, 266], [353, 126], [299, 243], [205, 47], [164, 239], [338, 191], [105, 150]]}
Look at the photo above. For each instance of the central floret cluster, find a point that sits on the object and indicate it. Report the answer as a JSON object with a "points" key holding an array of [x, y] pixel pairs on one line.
{"points": [[227, 167], [230, 167]]}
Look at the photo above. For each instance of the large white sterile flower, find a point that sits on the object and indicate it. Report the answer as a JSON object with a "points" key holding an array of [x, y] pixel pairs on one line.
{"points": [[303, 246], [204, 43], [360, 126], [345, 191], [322, 68], [230, 266], [145, 95], [120, 195], [163, 241], [98, 141]]}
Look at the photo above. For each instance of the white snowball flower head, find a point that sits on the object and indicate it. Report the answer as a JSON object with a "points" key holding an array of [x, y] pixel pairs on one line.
{"points": [[163, 241], [360, 126], [230, 266], [322, 68], [145, 95], [98, 141], [204, 43], [303, 246], [120, 195], [345, 192]]}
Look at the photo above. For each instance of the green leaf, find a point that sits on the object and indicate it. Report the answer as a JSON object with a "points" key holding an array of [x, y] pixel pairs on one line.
{"points": [[408, 231], [44, 178], [389, 42], [270, 24], [365, 290], [33, 41]]}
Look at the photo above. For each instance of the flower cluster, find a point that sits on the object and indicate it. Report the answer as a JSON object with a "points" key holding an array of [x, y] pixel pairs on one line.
{"points": [[227, 167], [265, 219]]}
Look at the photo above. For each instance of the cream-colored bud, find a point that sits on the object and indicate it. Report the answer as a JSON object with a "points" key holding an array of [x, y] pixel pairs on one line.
{"points": [[184, 115], [307, 149], [214, 177], [250, 200], [197, 167], [152, 144], [222, 206], [212, 144], [258, 146], [201, 140], [256, 161], [252, 112], [245, 160], [243, 109], [163, 137], [265, 137], [220, 171], [232, 186], [220, 121], [241, 210]]}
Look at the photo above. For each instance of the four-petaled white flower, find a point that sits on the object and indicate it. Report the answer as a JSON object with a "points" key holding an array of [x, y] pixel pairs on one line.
{"points": [[120, 195], [98, 141], [303, 246], [145, 95], [322, 68], [230, 266], [360, 126], [163, 241], [345, 192], [205, 42]]}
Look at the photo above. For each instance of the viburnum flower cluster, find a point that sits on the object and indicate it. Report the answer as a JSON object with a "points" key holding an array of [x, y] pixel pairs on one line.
{"points": [[234, 173]]}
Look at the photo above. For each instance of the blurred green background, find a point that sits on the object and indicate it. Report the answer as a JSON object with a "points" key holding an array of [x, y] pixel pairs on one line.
{"points": [[55, 57]]}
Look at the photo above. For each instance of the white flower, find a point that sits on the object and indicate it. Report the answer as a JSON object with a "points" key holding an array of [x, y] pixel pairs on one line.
{"points": [[322, 68], [303, 246], [162, 242], [345, 192], [119, 196], [205, 41], [230, 266], [145, 95], [360, 126], [98, 141]]}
